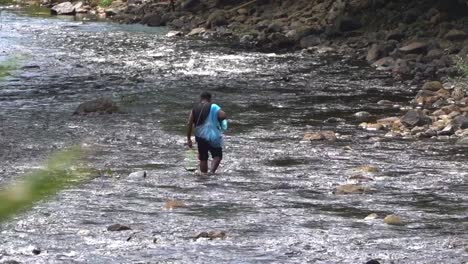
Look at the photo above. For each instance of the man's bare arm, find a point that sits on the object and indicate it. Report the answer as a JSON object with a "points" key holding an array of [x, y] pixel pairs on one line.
{"points": [[221, 115]]}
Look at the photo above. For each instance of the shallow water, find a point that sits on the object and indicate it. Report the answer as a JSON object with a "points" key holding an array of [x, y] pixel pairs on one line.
{"points": [[274, 194]]}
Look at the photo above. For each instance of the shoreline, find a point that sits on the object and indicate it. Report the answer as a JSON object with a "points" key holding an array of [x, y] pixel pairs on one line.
{"points": [[423, 43]]}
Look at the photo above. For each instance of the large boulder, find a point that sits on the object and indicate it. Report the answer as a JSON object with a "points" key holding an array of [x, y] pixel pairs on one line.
{"points": [[99, 106], [415, 118], [65, 8]]}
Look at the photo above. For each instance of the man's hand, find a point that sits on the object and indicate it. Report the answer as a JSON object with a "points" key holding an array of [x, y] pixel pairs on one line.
{"points": [[189, 143]]}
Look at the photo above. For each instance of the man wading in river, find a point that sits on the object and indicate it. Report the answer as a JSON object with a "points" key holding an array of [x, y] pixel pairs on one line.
{"points": [[208, 119]]}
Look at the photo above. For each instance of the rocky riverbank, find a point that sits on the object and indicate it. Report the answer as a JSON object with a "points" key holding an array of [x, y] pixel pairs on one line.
{"points": [[413, 41]]}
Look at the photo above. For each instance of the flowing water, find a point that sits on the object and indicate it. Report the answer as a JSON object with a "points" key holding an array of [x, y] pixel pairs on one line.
{"points": [[274, 194]]}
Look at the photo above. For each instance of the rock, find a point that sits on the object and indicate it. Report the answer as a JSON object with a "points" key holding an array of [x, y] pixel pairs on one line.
{"points": [[455, 35], [372, 261], [432, 86], [415, 118], [385, 102], [174, 33], [242, 11], [371, 216], [463, 141], [366, 168], [460, 122], [351, 189], [279, 40], [189, 4], [388, 121], [447, 131], [373, 53], [435, 54], [101, 106], [172, 204], [415, 48], [152, 20], [110, 12], [392, 220], [322, 135], [347, 23], [362, 116], [216, 19], [310, 41], [65, 8], [11, 262], [334, 120], [117, 227], [458, 93], [137, 175], [360, 178], [372, 127], [36, 251], [196, 31], [274, 27], [395, 35], [211, 235], [386, 63]]}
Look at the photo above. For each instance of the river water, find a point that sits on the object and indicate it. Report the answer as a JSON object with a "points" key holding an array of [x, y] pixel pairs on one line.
{"points": [[274, 194]]}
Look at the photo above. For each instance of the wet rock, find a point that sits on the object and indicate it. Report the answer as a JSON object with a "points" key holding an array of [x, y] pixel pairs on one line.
{"points": [[29, 67], [373, 53], [415, 48], [362, 116], [392, 220], [152, 20], [415, 118], [432, 86], [65, 8], [117, 227], [351, 189], [385, 64], [372, 127], [463, 141], [173, 33], [455, 35], [211, 235], [372, 261], [395, 35], [447, 131], [10, 262], [100, 106], [366, 168], [347, 23], [321, 135], [334, 120], [173, 204], [388, 121], [310, 41], [110, 12], [137, 175], [371, 216], [196, 31], [36, 251]]}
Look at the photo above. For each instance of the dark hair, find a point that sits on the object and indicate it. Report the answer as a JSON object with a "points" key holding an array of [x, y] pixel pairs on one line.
{"points": [[205, 95]]}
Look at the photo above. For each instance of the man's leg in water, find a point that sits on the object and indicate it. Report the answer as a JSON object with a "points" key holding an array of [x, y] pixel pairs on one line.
{"points": [[217, 154], [204, 166]]}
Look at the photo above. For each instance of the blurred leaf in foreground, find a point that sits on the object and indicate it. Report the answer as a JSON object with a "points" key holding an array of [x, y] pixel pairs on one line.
{"points": [[61, 171]]}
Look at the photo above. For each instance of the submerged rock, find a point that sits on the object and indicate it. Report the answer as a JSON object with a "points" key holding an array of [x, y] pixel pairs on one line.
{"points": [[172, 204], [321, 135], [36, 251], [351, 189], [371, 216], [117, 227], [211, 235], [101, 106], [392, 220], [137, 175], [372, 261]]}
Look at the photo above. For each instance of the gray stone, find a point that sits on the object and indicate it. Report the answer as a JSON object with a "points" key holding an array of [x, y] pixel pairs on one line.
{"points": [[415, 118], [432, 86], [386, 63], [65, 8], [460, 122], [310, 41], [117, 227], [137, 175], [216, 19], [347, 23], [415, 48], [362, 116], [463, 141], [373, 53]]}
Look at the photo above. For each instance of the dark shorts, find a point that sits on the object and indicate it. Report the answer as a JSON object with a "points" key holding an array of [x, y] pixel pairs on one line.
{"points": [[204, 147]]}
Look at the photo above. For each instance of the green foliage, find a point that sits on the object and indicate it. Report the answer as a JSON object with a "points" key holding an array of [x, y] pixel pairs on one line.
{"points": [[6, 2], [104, 3], [461, 65], [60, 171]]}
